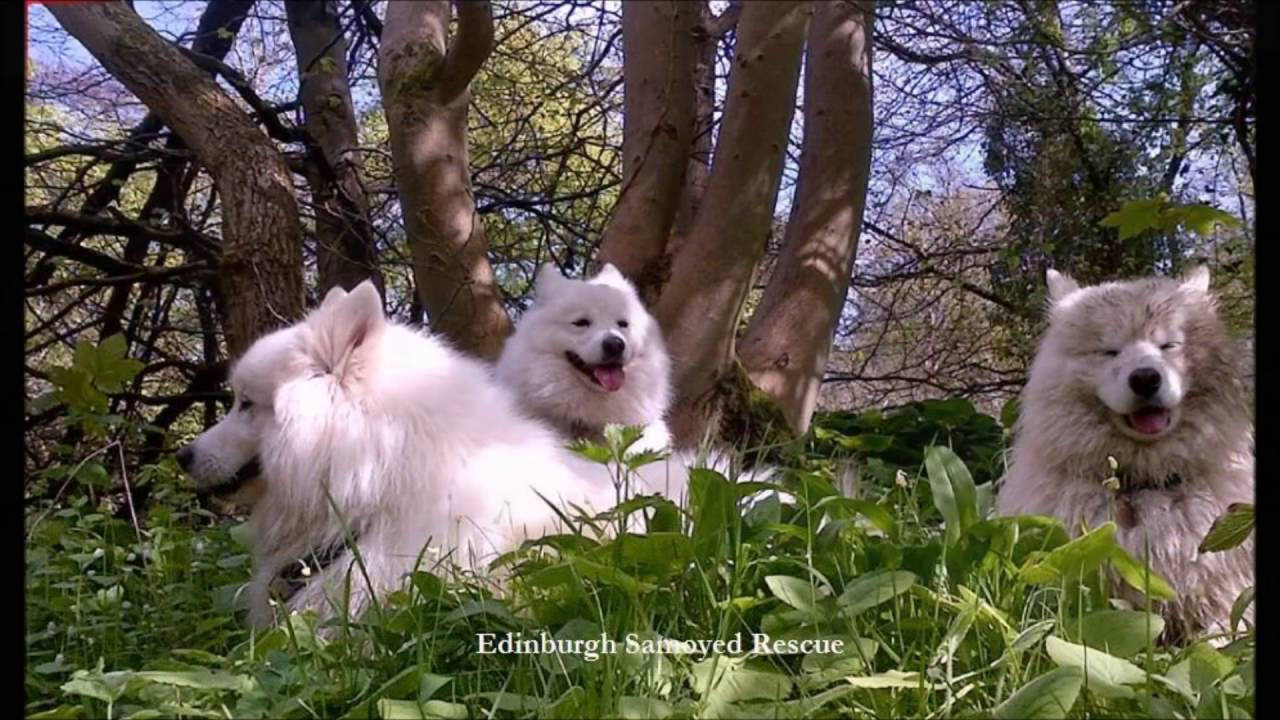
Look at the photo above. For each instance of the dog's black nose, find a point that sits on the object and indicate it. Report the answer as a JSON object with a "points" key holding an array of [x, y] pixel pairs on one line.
{"points": [[1145, 382], [613, 347], [185, 456]]}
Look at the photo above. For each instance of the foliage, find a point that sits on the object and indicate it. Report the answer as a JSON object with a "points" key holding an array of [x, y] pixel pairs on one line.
{"points": [[940, 609]]}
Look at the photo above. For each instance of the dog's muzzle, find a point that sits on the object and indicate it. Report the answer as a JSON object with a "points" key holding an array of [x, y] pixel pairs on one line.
{"points": [[247, 472]]}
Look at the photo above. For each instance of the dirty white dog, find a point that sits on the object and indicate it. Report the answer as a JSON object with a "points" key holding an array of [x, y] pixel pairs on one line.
{"points": [[1143, 372], [361, 433], [587, 354]]}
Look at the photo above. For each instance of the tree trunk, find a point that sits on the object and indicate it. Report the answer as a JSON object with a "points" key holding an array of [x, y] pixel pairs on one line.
{"points": [[785, 347], [261, 268], [215, 34], [425, 84], [707, 37], [710, 276], [346, 253], [659, 54]]}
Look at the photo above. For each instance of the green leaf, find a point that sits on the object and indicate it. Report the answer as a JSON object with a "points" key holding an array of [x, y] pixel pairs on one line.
{"points": [[1230, 530], [1082, 555], [714, 505], [954, 493], [412, 710], [1047, 697], [1123, 633], [893, 679], [951, 411], [1135, 216], [1200, 218], [796, 592], [1107, 675], [592, 452], [1140, 576], [1009, 413], [873, 589], [866, 443], [1239, 607], [200, 679], [720, 680], [838, 506]]}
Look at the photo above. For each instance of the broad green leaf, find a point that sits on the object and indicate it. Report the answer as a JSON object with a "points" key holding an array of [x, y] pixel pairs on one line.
{"points": [[411, 710], [1135, 216], [798, 593], [874, 588], [1047, 697], [1230, 530], [1107, 675], [1123, 633], [1082, 555], [954, 493], [200, 679], [893, 679], [1140, 576]]}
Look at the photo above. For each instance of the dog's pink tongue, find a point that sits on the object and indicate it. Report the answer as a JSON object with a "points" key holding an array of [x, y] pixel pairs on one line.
{"points": [[1151, 421], [610, 377]]}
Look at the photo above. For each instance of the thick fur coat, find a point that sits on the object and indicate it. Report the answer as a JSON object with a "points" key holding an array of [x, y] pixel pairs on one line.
{"points": [[1143, 372]]}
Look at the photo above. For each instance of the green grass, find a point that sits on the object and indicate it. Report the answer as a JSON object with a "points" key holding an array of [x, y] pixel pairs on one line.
{"points": [[944, 611]]}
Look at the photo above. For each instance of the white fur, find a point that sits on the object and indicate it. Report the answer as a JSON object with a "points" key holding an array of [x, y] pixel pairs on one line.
{"points": [[1072, 419], [360, 423], [534, 364]]}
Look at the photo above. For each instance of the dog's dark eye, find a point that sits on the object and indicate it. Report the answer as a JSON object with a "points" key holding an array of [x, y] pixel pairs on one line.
{"points": [[245, 404], [582, 322], [1169, 346], [1111, 353], [623, 323]]}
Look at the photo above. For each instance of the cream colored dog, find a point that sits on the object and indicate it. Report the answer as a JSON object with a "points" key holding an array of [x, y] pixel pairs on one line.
{"points": [[1143, 372]]}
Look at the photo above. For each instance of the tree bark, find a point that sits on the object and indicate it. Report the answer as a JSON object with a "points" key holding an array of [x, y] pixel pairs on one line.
{"points": [[710, 276], [785, 347], [660, 51], [425, 82], [346, 253], [261, 267], [707, 38]]}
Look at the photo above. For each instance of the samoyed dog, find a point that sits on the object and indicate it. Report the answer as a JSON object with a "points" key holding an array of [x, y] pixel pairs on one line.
{"points": [[363, 435], [1142, 372], [587, 354]]}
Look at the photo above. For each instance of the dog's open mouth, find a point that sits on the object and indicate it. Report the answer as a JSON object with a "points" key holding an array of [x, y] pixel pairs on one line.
{"points": [[609, 376], [1150, 421], [247, 472]]}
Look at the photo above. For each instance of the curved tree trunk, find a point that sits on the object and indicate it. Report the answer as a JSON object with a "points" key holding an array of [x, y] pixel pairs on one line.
{"points": [[346, 253], [785, 347], [659, 53], [261, 268], [425, 82], [710, 276]]}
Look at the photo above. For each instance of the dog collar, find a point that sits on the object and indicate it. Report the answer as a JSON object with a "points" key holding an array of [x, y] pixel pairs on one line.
{"points": [[296, 573], [1133, 483]]}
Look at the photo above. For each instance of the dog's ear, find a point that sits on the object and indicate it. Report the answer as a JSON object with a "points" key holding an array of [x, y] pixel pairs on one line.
{"points": [[334, 295], [610, 276], [1196, 279], [548, 281], [1060, 285], [347, 324]]}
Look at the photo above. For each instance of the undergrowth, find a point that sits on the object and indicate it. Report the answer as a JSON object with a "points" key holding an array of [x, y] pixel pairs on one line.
{"points": [[877, 538]]}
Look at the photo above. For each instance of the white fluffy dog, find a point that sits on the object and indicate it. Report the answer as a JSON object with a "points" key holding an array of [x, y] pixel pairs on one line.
{"points": [[363, 433], [1143, 372], [587, 355]]}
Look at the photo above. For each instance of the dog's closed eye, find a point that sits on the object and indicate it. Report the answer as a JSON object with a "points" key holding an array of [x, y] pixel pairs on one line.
{"points": [[582, 322], [246, 404]]}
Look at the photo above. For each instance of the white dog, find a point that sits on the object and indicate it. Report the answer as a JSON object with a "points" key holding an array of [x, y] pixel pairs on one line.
{"points": [[587, 355], [1143, 372], [365, 434]]}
